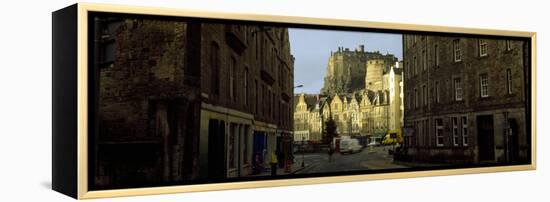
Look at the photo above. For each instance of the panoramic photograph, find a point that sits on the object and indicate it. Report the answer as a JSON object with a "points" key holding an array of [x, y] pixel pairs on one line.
{"points": [[185, 101]]}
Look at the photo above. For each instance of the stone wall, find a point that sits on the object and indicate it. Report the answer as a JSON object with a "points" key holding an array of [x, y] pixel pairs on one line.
{"points": [[148, 105], [267, 62], [430, 64]]}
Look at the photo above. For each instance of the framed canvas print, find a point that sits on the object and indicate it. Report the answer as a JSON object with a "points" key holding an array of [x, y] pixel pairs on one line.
{"points": [[157, 100]]}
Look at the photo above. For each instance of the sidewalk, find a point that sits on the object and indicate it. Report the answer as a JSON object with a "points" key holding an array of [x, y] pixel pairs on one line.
{"points": [[417, 164], [294, 168]]}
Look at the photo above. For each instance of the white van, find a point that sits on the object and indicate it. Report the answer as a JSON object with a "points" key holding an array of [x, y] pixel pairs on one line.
{"points": [[350, 145]]}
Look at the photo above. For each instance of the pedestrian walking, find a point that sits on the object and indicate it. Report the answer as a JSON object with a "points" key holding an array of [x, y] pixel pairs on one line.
{"points": [[273, 164], [330, 152]]}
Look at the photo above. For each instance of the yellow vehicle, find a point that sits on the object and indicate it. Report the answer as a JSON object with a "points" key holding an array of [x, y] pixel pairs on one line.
{"points": [[393, 137]]}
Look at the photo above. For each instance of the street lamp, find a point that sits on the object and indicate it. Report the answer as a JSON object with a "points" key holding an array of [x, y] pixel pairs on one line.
{"points": [[299, 86], [303, 151]]}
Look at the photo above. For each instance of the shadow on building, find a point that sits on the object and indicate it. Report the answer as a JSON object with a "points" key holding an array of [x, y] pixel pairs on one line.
{"points": [[466, 99], [181, 102]]}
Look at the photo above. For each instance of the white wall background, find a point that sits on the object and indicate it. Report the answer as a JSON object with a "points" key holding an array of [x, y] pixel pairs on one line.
{"points": [[25, 99]]}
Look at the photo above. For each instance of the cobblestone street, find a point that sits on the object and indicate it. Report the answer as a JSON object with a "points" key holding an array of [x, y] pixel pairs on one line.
{"points": [[368, 158]]}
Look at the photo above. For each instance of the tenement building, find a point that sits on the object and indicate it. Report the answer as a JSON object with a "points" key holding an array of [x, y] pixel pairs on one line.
{"points": [[247, 91], [181, 102], [307, 118], [362, 114], [147, 100], [465, 99]]}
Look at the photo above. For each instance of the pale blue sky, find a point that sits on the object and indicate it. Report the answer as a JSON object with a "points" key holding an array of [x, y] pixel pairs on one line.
{"points": [[312, 47]]}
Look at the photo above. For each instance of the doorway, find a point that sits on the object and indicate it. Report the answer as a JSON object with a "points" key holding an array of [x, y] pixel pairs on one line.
{"points": [[216, 150], [512, 144], [485, 138]]}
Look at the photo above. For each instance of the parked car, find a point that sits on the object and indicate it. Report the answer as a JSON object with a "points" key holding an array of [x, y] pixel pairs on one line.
{"points": [[373, 143], [350, 145]]}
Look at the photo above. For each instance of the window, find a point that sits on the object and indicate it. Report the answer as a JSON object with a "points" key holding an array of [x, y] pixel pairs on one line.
{"points": [[482, 43], [215, 68], [509, 80], [436, 55], [245, 86], [257, 43], [257, 104], [425, 95], [232, 85], [454, 121], [457, 50], [415, 65], [264, 53], [246, 32], [408, 68], [508, 45], [273, 59], [416, 98], [281, 78], [411, 101], [262, 100], [484, 85], [465, 131], [268, 103], [107, 41], [108, 53], [408, 103], [458, 89], [436, 92], [439, 132], [424, 60], [272, 104]]}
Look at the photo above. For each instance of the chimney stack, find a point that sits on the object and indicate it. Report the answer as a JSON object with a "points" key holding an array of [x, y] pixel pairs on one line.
{"points": [[362, 48]]}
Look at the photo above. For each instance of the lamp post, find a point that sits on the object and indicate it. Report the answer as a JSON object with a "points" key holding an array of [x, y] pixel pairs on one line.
{"points": [[303, 151], [303, 137]]}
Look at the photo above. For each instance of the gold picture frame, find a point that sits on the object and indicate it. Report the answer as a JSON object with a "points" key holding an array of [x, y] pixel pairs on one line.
{"points": [[78, 187]]}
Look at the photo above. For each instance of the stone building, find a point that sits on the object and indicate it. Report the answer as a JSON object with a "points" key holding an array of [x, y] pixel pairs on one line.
{"points": [[394, 82], [147, 103], [315, 123], [376, 116], [307, 118], [367, 110], [344, 109], [247, 92], [365, 113], [374, 73], [465, 99], [183, 102], [346, 69]]}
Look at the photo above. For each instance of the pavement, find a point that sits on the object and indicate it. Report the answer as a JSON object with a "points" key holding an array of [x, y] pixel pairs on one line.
{"points": [[370, 158], [294, 168], [367, 159]]}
